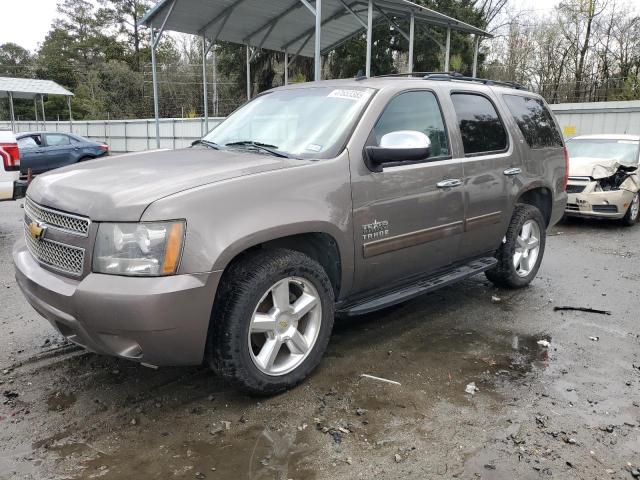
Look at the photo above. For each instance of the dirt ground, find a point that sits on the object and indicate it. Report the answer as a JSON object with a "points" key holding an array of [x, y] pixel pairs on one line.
{"points": [[569, 410]]}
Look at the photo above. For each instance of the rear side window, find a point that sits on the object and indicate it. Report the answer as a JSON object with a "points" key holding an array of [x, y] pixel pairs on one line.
{"points": [[480, 125], [55, 140], [418, 111], [535, 121]]}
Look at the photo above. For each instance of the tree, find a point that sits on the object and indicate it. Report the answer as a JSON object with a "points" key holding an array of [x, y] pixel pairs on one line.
{"points": [[126, 15]]}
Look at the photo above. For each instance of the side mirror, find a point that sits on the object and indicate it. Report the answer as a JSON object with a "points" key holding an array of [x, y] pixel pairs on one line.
{"points": [[397, 148]]}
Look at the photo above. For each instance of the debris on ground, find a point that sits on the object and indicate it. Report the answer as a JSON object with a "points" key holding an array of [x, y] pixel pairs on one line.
{"points": [[392, 382], [397, 458], [581, 309], [544, 343], [471, 388], [495, 299], [594, 339]]}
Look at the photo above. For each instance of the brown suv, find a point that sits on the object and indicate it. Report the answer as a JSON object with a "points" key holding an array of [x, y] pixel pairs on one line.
{"points": [[335, 197]]}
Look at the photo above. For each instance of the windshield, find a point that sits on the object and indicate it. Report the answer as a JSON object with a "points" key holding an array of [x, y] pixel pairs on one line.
{"points": [[624, 151], [301, 122]]}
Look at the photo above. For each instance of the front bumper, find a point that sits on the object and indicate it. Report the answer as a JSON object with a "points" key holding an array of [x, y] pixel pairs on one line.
{"points": [[611, 204], [159, 321]]}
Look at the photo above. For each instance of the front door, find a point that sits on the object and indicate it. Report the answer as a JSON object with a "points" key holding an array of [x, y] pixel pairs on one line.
{"points": [[32, 154], [408, 219]]}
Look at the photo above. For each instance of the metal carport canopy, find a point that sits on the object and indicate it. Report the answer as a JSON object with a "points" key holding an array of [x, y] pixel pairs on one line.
{"points": [[28, 88], [287, 25]]}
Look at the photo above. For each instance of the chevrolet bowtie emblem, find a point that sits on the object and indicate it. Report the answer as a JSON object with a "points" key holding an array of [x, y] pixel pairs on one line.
{"points": [[36, 231]]}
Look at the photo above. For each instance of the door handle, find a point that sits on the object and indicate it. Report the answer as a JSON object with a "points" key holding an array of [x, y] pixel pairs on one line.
{"points": [[451, 183], [511, 172]]}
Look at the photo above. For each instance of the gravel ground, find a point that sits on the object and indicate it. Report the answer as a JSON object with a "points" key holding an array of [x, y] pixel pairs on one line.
{"points": [[567, 410]]}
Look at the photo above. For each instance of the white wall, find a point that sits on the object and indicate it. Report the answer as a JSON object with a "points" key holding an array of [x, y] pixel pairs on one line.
{"points": [[601, 117], [128, 135]]}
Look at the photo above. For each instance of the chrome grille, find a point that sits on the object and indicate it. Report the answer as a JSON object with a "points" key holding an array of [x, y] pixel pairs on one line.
{"points": [[61, 257], [54, 219]]}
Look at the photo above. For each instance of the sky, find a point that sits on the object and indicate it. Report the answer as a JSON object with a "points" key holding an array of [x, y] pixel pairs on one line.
{"points": [[29, 20]]}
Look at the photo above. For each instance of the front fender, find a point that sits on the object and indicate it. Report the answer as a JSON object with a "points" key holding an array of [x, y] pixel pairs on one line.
{"points": [[228, 217]]}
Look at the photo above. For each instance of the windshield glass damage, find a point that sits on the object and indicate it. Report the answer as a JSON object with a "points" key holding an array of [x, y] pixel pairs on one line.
{"points": [[298, 122]]}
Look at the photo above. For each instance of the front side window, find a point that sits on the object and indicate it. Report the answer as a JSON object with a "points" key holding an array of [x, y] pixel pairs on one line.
{"points": [[27, 143], [623, 151], [55, 140], [480, 125], [535, 121], [310, 122], [417, 111]]}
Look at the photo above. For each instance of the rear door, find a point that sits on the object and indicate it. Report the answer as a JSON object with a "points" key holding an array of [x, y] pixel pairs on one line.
{"points": [[58, 150], [406, 223], [32, 155], [491, 164]]}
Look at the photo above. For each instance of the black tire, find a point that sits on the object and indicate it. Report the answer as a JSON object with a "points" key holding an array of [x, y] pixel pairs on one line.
{"points": [[504, 274], [629, 218], [242, 287]]}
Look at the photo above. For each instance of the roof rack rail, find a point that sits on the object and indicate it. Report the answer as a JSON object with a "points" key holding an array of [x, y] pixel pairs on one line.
{"points": [[485, 81]]}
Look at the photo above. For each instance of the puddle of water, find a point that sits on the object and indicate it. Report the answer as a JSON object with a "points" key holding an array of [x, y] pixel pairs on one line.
{"points": [[257, 453]]}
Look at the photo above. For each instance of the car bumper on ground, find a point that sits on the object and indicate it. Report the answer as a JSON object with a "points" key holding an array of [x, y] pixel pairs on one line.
{"points": [[158, 321], [611, 204]]}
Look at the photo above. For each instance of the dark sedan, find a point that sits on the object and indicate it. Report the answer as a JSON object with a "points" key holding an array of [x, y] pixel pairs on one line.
{"points": [[42, 151]]}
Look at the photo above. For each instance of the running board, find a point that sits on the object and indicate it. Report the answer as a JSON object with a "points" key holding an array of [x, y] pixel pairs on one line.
{"points": [[419, 288]]}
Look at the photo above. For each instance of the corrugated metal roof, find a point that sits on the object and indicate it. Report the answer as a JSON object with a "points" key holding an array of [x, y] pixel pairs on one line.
{"points": [[251, 20], [30, 88]]}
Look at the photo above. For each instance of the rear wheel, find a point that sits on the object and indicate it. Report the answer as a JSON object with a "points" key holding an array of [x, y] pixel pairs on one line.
{"points": [[272, 320], [631, 217], [521, 253]]}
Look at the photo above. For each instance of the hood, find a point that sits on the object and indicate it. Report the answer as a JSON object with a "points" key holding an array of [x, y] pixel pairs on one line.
{"points": [[119, 188], [596, 168]]}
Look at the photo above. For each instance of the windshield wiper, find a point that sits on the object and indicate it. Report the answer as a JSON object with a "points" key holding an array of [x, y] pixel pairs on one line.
{"points": [[207, 143], [265, 147]]}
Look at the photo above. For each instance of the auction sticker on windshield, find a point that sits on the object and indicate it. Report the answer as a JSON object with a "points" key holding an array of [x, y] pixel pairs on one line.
{"points": [[348, 94]]}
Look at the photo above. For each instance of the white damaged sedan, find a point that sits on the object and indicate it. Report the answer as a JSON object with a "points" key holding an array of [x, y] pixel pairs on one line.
{"points": [[603, 177]]}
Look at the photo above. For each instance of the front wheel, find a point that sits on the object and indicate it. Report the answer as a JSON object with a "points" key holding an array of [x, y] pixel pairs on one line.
{"points": [[272, 320], [520, 254], [631, 217]]}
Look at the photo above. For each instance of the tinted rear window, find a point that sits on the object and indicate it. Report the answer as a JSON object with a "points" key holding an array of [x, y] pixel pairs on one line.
{"points": [[535, 121], [480, 125]]}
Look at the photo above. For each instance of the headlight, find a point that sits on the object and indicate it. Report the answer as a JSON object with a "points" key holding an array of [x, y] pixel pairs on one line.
{"points": [[138, 249]]}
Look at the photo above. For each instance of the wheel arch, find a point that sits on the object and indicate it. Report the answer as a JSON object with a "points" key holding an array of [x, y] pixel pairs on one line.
{"points": [[316, 243], [541, 197]]}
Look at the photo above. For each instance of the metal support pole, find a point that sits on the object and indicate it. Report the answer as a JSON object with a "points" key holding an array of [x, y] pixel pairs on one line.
{"points": [[154, 70], [412, 35], [447, 53], [44, 118], [205, 92], [317, 53], [475, 56], [70, 115], [369, 37], [214, 58], [286, 67], [248, 73], [35, 109], [12, 111]]}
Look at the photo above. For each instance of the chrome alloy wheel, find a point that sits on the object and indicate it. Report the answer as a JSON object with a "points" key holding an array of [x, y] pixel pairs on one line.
{"points": [[285, 326], [635, 207], [527, 248]]}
